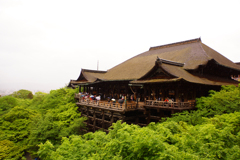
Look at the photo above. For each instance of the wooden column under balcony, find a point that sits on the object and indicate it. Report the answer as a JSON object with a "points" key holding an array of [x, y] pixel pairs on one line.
{"points": [[102, 114]]}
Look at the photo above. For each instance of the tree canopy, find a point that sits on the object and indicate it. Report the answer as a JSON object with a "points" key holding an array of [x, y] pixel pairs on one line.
{"points": [[216, 138], [24, 94], [48, 126], [25, 123]]}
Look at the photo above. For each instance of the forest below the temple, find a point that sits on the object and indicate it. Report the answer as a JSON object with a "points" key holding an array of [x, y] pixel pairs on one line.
{"points": [[48, 126]]}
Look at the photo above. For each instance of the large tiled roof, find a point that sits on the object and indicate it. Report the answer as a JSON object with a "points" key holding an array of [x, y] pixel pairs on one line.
{"points": [[191, 53]]}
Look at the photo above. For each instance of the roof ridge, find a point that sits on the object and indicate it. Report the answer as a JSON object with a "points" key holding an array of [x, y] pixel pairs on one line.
{"points": [[176, 44], [93, 71], [170, 62]]}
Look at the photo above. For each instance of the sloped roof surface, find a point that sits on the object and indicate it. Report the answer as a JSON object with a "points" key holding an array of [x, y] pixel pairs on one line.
{"points": [[201, 79], [191, 53], [219, 58]]}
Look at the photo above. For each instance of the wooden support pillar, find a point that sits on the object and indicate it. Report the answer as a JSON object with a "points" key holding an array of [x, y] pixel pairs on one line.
{"points": [[103, 118], [84, 88], [137, 118], [164, 94], [87, 89], [161, 113], [79, 89], [157, 92], [94, 120], [118, 91], [97, 89], [111, 118], [194, 92], [88, 117], [176, 95], [126, 89], [149, 92], [149, 116], [123, 118], [93, 90], [145, 93], [186, 95]]}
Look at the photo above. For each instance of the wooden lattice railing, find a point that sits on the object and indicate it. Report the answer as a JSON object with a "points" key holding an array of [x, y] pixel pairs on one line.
{"points": [[163, 104], [113, 105], [134, 105]]}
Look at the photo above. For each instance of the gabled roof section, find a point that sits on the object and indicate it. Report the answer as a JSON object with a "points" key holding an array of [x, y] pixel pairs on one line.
{"points": [[158, 72], [87, 75], [180, 73]]}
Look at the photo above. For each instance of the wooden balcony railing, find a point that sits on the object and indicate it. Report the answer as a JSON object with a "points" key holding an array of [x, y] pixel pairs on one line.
{"points": [[126, 106], [174, 105]]}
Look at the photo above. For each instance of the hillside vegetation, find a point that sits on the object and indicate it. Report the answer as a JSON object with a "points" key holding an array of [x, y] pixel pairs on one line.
{"points": [[25, 123], [48, 126]]}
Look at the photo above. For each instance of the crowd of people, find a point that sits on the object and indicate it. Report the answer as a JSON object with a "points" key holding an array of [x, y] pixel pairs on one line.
{"points": [[121, 99], [85, 95]]}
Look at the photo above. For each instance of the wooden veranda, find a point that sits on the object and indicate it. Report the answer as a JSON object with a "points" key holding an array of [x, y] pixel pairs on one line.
{"points": [[101, 114]]}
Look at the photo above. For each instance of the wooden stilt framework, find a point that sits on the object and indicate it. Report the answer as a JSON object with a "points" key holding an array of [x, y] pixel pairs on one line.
{"points": [[102, 114]]}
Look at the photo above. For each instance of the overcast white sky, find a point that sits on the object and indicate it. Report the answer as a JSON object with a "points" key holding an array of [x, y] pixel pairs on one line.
{"points": [[45, 43]]}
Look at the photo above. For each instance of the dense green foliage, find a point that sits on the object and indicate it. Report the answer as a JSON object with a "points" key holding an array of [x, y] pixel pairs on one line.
{"points": [[25, 123], [7, 103], [47, 126], [14, 130], [216, 138]]}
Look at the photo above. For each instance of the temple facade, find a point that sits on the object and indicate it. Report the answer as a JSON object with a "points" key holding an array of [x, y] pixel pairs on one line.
{"points": [[154, 84]]}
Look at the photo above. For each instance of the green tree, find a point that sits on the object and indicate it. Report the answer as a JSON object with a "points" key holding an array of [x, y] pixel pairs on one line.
{"points": [[6, 103], [24, 94], [216, 138], [29, 122], [6, 148], [58, 118], [14, 130]]}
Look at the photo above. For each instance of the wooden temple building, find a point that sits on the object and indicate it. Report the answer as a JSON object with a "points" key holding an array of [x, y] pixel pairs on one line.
{"points": [[180, 72]]}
